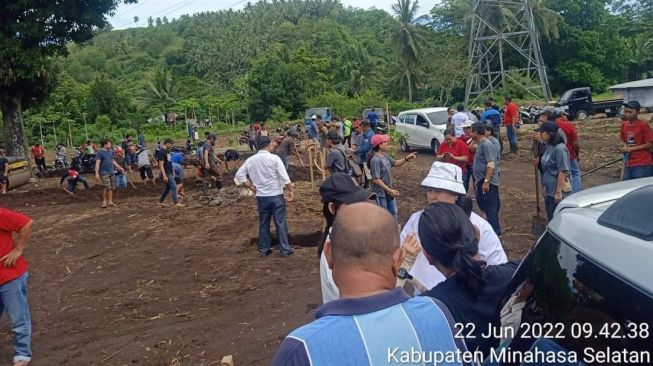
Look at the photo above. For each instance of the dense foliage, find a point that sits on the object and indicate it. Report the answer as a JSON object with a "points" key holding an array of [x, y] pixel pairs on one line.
{"points": [[272, 60]]}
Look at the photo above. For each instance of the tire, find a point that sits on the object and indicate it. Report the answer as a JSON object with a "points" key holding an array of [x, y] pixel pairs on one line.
{"points": [[435, 144], [582, 115], [404, 145]]}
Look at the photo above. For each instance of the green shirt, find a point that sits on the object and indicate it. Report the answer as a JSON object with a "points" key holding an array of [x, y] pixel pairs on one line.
{"points": [[347, 127]]}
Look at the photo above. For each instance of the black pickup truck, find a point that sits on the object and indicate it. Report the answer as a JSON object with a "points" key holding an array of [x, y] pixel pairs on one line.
{"points": [[578, 104]]}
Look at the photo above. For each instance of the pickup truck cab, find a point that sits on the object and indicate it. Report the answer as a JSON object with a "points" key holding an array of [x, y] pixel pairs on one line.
{"points": [[579, 105]]}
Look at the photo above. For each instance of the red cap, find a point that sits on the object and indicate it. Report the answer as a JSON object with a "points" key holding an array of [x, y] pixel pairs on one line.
{"points": [[379, 139]]}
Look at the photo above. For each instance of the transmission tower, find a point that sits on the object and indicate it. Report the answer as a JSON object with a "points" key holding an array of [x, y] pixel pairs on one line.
{"points": [[504, 49]]}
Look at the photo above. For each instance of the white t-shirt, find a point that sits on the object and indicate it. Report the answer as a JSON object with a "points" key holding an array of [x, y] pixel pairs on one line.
{"points": [[329, 288], [489, 248], [457, 121]]}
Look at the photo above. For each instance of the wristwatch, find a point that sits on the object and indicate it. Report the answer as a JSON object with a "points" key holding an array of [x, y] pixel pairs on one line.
{"points": [[486, 180], [404, 275]]}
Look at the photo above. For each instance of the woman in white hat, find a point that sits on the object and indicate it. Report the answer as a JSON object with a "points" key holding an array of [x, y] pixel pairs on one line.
{"points": [[444, 183]]}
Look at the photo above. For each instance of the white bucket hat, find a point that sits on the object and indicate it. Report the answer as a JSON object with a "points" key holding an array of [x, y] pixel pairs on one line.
{"points": [[445, 176]]}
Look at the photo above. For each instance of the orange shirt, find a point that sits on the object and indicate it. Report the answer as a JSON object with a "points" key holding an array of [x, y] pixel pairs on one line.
{"points": [[511, 115], [11, 222]]}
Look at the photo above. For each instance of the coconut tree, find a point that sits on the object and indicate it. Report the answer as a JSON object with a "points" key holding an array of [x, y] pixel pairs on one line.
{"points": [[407, 40]]}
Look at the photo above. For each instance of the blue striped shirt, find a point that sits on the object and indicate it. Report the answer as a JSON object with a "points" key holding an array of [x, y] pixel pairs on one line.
{"points": [[363, 331]]}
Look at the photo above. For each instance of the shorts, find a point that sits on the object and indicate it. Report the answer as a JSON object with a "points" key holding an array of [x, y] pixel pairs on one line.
{"points": [[109, 182], [231, 155], [3, 179], [146, 172]]}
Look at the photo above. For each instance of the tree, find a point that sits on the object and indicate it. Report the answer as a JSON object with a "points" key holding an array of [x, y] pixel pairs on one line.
{"points": [[32, 32], [407, 41], [150, 22], [161, 90], [136, 19]]}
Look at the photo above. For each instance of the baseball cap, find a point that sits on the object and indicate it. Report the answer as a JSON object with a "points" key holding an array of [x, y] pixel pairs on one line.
{"points": [[379, 139], [334, 136], [341, 187], [547, 126], [633, 104], [468, 123], [448, 177], [313, 117]]}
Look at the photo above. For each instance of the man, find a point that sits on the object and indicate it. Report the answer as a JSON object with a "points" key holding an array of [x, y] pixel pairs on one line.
{"points": [[336, 160], [492, 118], [373, 321], [364, 148], [210, 162], [453, 151], [347, 127], [39, 157], [4, 172], [458, 120], [61, 154], [336, 125], [638, 141], [130, 154], [145, 161], [13, 281], [265, 175], [374, 120], [105, 170], [313, 130], [287, 147], [88, 148], [73, 177], [444, 184], [164, 156], [486, 173], [571, 141], [468, 139], [510, 120], [141, 139]]}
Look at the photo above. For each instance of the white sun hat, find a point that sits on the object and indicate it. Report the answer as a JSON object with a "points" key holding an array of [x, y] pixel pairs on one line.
{"points": [[445, 176]]}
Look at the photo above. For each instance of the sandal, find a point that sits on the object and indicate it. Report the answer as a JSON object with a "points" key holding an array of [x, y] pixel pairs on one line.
{"points": [[104, 205], [112, 205]]}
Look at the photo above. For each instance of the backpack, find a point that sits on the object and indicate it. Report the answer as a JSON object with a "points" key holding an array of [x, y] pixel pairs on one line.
{"points": [[351, 167]]}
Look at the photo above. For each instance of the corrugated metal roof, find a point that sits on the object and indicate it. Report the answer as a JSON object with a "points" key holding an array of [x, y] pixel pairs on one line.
{"points": [[634, 84]]}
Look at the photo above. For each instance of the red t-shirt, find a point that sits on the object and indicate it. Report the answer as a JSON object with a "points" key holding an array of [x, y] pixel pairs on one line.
{"points": [[634, 134], [572, 136], [37, 152], [458, 149], [11, 222], [511, 113]]}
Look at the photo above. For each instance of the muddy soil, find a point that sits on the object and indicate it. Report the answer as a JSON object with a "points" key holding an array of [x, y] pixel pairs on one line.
{"points": [[143, 285]]}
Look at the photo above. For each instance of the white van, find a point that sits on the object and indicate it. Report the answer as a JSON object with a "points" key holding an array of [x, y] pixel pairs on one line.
{"points": [[422, 128]]}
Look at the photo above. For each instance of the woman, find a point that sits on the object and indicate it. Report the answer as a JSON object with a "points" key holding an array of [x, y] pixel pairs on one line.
{"points": [[380, 168], [555, 167], [472, 289]]}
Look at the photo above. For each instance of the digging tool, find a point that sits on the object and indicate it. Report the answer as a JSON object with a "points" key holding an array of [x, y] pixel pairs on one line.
{"points": [[130, 181], [65, 190], [603, 166], [538, 226]]}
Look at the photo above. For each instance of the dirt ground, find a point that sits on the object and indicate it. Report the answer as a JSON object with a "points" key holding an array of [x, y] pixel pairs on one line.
{"points": [[143, 285]]}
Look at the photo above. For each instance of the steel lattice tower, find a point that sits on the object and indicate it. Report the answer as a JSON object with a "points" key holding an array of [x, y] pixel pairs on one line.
{"points": [[504, 29]]}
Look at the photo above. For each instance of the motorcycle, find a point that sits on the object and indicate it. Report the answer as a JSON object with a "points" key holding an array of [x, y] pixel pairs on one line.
{"points": [[84, 163], [529, 114], [59, 163]]}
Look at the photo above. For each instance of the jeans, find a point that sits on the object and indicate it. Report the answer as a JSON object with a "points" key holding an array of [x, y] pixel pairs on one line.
{"points": [[40, 164], [467, 177], [272, 208], [388, 204], [252, 145], [550, 205], [284, 160], [636, 172], [575, 176], [171, 187], [13, 296], [489, 203], [131, 159], [72, 184], [512, 136], [121, 180]]}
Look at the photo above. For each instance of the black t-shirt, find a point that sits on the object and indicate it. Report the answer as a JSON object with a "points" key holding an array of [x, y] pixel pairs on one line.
{"points": [[480, 312], [3, 163], [166, 157]]}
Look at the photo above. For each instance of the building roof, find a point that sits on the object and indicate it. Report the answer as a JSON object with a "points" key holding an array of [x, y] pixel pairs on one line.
{"points": [[644, 83]]}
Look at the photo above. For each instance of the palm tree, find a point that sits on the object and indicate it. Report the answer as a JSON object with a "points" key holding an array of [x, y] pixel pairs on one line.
{"points": [[161, 89], [407, 40]]}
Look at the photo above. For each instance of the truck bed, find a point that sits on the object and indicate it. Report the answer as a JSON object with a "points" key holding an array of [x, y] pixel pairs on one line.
{"points": [[610, 103]]}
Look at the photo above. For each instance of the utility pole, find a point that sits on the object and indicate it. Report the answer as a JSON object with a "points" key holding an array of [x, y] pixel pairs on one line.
{"points": [[507, 53]]}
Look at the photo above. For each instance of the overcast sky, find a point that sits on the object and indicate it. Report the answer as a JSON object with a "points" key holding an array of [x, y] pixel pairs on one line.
{"points": [[124, 17]]}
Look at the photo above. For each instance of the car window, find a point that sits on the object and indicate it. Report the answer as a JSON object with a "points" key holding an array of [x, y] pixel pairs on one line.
{"points": [[410, 119], [438, 118], [402, 118], [560, 299], [421, 121]]}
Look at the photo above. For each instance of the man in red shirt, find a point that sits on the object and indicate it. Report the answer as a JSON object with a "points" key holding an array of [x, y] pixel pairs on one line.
{"points": [[453, 151], [468, 139], [39, 157], [573, 146], [510, 120], [638, 140], [13, 281]]}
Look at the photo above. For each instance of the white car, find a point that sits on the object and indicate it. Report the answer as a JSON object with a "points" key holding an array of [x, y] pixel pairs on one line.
{"points": [[423, 128]]}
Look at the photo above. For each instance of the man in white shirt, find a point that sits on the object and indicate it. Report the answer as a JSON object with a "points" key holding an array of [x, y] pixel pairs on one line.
{"points": [[458, 120], [265, 175], [444, 183]]}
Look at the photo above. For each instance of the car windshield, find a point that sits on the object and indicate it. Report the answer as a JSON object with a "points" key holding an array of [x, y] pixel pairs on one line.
{"points": [[438, 118], [565, 97], [316, 111]]}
